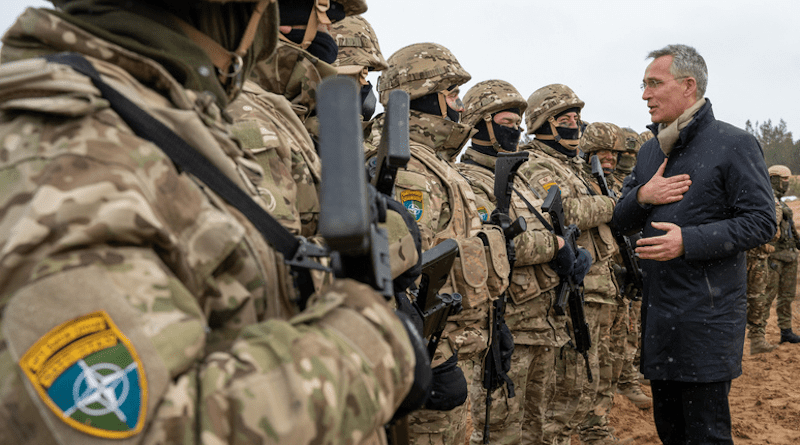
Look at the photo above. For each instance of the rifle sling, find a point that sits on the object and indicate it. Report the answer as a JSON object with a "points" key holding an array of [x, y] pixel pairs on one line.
{"points": [[185, 157], [533, 210]]}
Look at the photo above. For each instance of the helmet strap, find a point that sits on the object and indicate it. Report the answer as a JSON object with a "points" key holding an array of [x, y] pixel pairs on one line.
{"points": [[230, 65], [569, 144]]}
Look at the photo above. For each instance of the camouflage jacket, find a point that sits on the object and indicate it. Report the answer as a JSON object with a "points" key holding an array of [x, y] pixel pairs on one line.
{"points": [[584, 207], [444, 206], [532, 287], [787, 239], [137, 305]]}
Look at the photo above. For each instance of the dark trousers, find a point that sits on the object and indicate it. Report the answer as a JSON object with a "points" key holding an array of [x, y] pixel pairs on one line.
{"points": [[692, 413]]}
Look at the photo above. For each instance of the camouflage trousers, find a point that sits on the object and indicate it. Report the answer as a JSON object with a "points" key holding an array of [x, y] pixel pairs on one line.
{"points": [[757, 307], [519, 419], [613, 320], [781, 286], [574, 395], [429, 427], [630, 366]]}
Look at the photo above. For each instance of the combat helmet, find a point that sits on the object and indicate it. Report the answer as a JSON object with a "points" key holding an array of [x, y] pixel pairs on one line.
{"points": [[546, 102], [358, 45], [632, 143], [421, 69], [600, 136], [780, 170], [481, 102]]}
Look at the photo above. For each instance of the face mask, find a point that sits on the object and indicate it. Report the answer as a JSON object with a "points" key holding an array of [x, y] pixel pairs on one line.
{"points": [[506, 137], [368, 101], [323, 45]]}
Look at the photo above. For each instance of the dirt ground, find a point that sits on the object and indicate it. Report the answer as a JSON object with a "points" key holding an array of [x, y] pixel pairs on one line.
{"points": [[765, 400]]}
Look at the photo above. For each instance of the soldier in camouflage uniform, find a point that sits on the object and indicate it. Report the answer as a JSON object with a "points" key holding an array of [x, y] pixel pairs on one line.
{"points": [[444, 206], [494, 108], [757, 278], [607, 142], [629, 383], [782, 279], [553, 116], [130, 281]]}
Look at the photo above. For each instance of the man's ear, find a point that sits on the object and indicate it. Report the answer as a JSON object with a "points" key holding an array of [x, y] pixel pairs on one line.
{"points": [[691, 87]]}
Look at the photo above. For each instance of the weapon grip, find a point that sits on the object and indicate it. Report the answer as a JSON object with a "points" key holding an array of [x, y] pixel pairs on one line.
{"points": [[393, 150]]}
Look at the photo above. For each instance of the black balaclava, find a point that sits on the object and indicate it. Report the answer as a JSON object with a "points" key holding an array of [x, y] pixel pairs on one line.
{"points": [[368, 101], [297, 12], [573, 134], [780, 186], [507, 138], [432, 104]]}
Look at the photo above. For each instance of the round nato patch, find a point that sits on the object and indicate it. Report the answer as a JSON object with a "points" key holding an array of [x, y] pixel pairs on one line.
{"points": [[412, 200], [88, 373]]}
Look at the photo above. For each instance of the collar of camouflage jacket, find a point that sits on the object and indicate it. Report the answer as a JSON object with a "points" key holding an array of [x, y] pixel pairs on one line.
{"points": [[141, 30], [484, 160], [443, 136], [295, 74]]}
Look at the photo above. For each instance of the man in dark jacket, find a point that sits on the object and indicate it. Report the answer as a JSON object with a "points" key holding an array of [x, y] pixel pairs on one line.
{"points": [[702, 197]]}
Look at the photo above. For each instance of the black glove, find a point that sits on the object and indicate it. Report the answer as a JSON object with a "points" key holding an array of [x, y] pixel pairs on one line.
{"points": [[449, 388], [506, 346], [421, 389], [583, 262], [564, 261]]}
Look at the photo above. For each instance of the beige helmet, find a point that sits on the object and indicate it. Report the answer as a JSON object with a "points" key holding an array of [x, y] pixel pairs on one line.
{"points": [[780, 170], [358, 46], [600, 136], [646, 136], [547, 102], [631, 140], [488, 97], [420, 69]]}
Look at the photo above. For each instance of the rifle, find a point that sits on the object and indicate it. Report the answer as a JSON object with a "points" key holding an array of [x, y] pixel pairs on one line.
{"points": [[349, 210], [436, 264], [569, 292], [506, 166], [393, 150], [633, 284]]}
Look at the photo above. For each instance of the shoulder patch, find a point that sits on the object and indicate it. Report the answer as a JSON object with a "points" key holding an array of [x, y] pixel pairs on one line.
{"points": [[546, 182], [412, 200], [484, 214], [88, 373]]}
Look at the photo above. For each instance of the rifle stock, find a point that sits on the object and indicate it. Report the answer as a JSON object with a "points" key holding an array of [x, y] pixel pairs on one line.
{"points": [[633, 286], [393, 150], [569, 293]]}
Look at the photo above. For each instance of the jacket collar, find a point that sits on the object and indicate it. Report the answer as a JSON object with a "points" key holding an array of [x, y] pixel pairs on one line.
{"points": [[703, 117]]}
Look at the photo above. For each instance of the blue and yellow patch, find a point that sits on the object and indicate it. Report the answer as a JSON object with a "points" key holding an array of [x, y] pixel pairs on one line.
{"points": [[412, 200], [547, 182], [88, 373], [484, 214]]}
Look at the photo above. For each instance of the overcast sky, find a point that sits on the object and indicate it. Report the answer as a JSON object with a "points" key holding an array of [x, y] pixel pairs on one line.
{"points": [[598, 48]]}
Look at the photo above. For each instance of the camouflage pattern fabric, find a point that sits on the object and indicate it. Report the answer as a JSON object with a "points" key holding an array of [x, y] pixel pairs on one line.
{"points": [[99, 223], [629, 372], [529, 315], [758, 275], [782, 279], [591, 213], [490, 96], [420, 69], [602, 136], [358, 44], [444, 206]]}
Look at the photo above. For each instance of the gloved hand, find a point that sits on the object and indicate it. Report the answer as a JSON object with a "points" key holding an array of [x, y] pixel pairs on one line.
{"points": [[572, 264], [449, 388]]}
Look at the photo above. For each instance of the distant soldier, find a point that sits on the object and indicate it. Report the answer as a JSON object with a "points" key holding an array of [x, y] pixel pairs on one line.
{"points": [[553, 116], [494, 108], [757, 278], [782, 281], [444, 206]]}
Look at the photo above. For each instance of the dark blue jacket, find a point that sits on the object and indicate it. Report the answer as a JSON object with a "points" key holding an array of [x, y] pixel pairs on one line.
{"points": [[694, 307]]}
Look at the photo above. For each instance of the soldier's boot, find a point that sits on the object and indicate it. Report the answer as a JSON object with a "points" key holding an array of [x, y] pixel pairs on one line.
{"points": [[760, 345], [634, 393], [788, 336]]}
